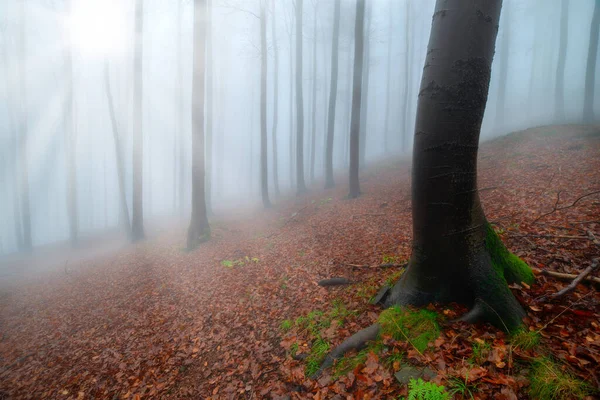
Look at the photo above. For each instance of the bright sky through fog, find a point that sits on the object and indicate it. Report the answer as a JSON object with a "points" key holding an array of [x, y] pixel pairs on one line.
{"points": [[98, 27]]}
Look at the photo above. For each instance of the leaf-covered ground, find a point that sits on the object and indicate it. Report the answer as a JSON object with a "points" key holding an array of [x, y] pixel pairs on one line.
{"points": [[154, 321]]}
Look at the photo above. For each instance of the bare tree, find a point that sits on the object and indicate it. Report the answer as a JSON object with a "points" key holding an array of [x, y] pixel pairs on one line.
{"points": [[300, 185], [329, 182], [407, 73], [264, 167], [359, 37], [209, 106], [313, 139], [364, 108], [388, 105], [275, 98], [590, 73], [504, 57], [199, 230], [559, 97]]}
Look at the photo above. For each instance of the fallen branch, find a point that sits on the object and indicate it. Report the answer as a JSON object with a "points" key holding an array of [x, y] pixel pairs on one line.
{"points": [[550, 236], [556, 208], [385, 265], [334, 282], [575, 281], [369, 215], [563, 276]]}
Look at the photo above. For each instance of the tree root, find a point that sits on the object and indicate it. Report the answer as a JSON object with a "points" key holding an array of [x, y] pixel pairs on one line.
{"points": [[334, 282], [354, 342]]}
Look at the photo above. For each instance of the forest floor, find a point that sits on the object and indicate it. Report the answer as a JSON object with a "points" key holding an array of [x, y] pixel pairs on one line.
{"points": [[237, 317]]}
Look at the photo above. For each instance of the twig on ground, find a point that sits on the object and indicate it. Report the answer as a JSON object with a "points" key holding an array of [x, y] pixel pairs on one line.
{"points": [[368, 215], [563, 276], [575, 281], [556, 208], [385, 265], [550, 236]]}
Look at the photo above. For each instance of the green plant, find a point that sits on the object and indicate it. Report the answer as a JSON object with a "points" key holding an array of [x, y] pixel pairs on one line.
{"points": [[549, 382], [462, 387], [227, 263], [418, 389], [524, 339], [481, 351], [349, 363], [294, 349], [286, 325], [318, 351], [391, 280], [419, 328], [390, 259]]}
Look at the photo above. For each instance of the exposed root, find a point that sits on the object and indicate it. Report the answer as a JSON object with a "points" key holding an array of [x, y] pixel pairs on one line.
{"points": [[334, 282], [354, 342]]}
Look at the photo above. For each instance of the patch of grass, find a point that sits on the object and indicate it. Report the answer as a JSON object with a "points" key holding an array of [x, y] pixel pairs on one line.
{"points": [[390, 259], [419, 328], [462, 387], [349, 363], [524, 339], [367, 290], [239, 262], [294, 349], [549, 382], [391, 280], [418, 389], [393, 358], [286, 325], [325, 201], [318, 351], [481, 351]]}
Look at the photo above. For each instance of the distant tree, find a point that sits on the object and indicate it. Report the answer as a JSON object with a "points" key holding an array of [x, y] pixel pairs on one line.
{"points": [[70, 142], [359, 37], [123, 209], [275, 98], [24, 134], [388, 90], [300, 185], [313, 139], [364, 107], [264, 167], [559, 97], [457, 256], [199, 229], [179, 108], [209, 106], [335, 53], [504, 56], [137, 221], [407, 74], [590, 73]]}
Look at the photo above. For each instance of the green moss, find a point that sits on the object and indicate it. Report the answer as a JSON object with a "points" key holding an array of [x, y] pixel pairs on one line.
{"points": [[349, 363], [318, 351], [506, 264], [549, 382], [286, 325], [418, 327], [525, 339]]}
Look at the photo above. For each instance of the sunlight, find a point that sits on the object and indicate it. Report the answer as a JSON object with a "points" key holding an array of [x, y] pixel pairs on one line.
{"points": [[98, 28]]}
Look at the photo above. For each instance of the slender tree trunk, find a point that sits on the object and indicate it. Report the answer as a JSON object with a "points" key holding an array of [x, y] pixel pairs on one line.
{"points": [[388, 105], [335, 53], [123, 209], [137, 222], [300, 186], [407, 71], [348, 108], [456, 255], [590, 73], [24, 142], [359, 37], [291, 120], [264, 167], [504, 53], [275, 99], [209, 106], [199, 230], [314, 100], [559, 95], [179, 104], [364, 108]]}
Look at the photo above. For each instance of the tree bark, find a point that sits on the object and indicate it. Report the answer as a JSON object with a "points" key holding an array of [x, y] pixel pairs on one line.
{"points": [[590, 73], [275, 100], [123, 209], [300, 185], [314, 99], [199, 229], [137, 221], [388, 105], [501, 100], [291, 104], [209, 106], [264, 167], [335, 53], [179, 105], [559, 95], [359, 37], [407, 64], [456, 255], [24, 142], [364, 108]]}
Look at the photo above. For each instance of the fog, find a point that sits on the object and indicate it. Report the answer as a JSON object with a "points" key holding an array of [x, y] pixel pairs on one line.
{"points": [[34, 93]]}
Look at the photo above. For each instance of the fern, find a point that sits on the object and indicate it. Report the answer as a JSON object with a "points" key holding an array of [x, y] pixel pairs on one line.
{"points": [[421, 390]]}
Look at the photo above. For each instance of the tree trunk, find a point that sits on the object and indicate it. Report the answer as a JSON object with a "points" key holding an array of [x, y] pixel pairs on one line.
{"points": [[314, 99], [179, 113], [335, 52], [291, 120], [388, 105], [275, 101], [457, 257], [359, 37], [264, 167], [407, 64], [590, 73], [137, 221], [24, 136], [300, 186], [199, 230], [362, 146], [559, 95], [209, 106], [123, 209], [501, 100]]}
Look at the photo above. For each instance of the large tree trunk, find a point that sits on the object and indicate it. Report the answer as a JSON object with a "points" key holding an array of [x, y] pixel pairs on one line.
{"points": [[335, 53], [264, 167], [209, 106], [300, 185], [359, 37], [137, 221], [275, 100], [559, 95], [70, 145], [364, 108], [388, 105], [407, 73], [123, 209], [24, 136], [456, 254], [314, 99], [590, 73], [199, 230], [501, 100]]}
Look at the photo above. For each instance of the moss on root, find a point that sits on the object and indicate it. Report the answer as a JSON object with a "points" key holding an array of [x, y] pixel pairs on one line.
{"points": [[418, 327], [507, 265]]}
